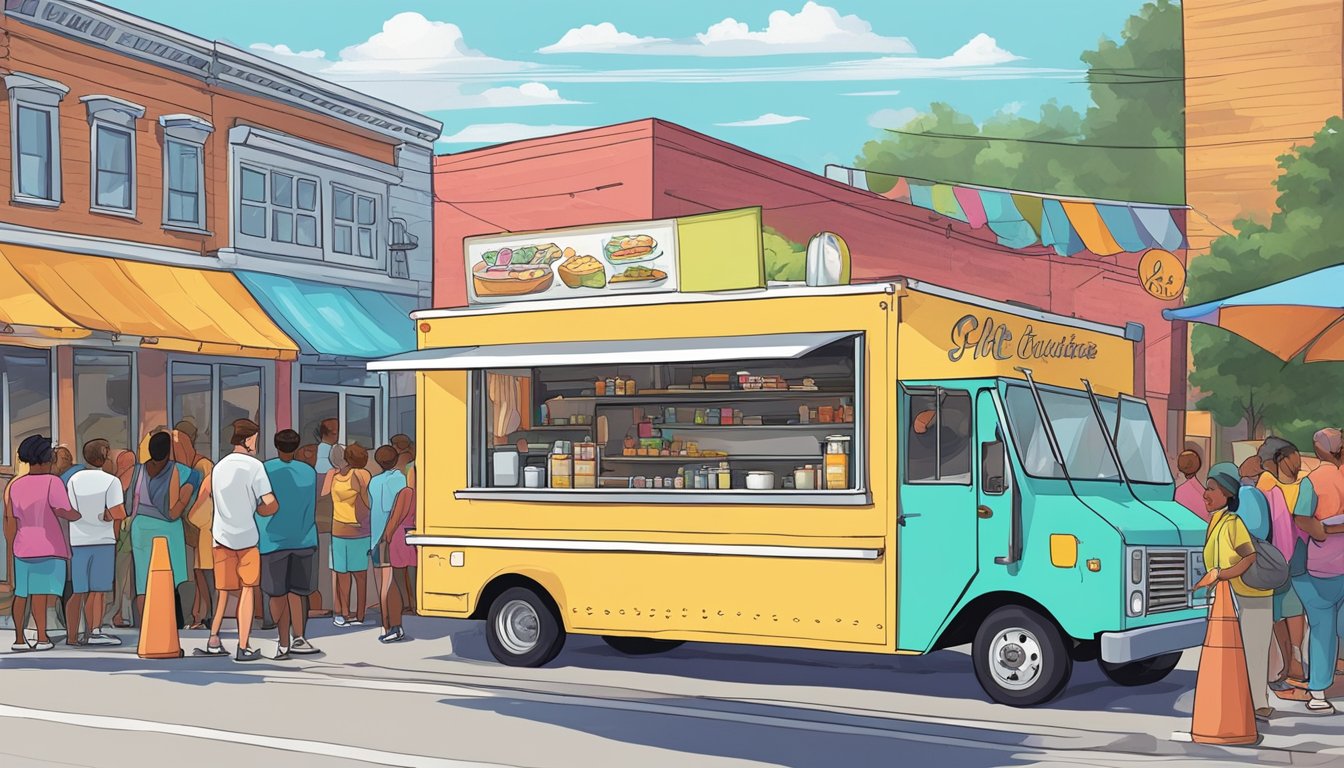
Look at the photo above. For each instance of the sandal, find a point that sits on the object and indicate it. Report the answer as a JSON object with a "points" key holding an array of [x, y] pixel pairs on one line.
{"points": [[198, 625]]}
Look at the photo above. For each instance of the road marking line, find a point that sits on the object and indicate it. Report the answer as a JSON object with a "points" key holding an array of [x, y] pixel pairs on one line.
{"points": [[325, 749]]}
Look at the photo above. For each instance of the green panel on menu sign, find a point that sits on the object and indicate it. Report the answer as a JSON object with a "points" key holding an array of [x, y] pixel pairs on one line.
{"points": [[721, 251]]}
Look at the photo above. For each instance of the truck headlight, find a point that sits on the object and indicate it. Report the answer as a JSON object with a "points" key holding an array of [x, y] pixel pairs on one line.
{"points": [[1136, 601], [1136, 566]]}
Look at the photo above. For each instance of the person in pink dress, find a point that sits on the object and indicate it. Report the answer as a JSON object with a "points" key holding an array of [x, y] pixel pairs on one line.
{"points": [[399, 523], [1190, 493], [35, 505]]}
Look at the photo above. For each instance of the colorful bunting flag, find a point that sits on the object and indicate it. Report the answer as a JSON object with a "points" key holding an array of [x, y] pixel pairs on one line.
{"points": [[969, 200], [945, 202], [1089, 226]]}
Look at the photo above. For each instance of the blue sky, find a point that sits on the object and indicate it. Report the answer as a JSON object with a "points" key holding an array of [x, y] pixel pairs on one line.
{"points": [[777, 76]]}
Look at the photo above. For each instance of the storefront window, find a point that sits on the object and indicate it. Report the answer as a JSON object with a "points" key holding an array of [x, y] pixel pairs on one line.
{"points": [[239, 398], [401, 404], [768, 426], [337, 375], [313, 409], [193, 398], [359, 420], [104, 397], [25, 399]]}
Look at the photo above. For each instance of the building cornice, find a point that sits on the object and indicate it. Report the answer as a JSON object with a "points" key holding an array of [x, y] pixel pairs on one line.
{"points": [[219, 63]]}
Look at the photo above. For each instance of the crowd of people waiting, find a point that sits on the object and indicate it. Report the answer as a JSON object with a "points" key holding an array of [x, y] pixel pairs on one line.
{"points": [[84, 531], [1270, 500]]}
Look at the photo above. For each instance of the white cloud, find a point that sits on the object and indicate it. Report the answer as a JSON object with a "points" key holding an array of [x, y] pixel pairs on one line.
{"points": [[981, 58], [769, 118], [409, 42], [981, 50], [495, 133], [875, 93], [893, 118], [1012, 108], [525, 95], [285, 50], [814, 29], [598, 38]]}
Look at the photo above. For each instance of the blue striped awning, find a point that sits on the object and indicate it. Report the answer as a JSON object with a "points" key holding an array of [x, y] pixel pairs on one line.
{"points": [[336, 320]]}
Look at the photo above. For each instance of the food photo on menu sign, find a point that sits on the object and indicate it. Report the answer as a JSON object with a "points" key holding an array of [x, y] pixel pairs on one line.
{"points": [[588, 261]]}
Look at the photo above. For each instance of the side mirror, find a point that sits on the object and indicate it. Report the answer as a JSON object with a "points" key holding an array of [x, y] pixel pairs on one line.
{"points": [[993, 468]]}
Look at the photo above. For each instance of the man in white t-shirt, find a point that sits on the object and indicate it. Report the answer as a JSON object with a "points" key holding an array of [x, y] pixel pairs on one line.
{"points": [[96, 495], [240, 489]]}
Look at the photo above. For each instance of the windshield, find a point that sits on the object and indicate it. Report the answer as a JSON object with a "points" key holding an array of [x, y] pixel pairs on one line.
{"points": [[1081, 438], [1137, 442]]}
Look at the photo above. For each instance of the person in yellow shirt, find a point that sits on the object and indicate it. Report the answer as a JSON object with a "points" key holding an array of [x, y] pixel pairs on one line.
{"points": [[1228, 553]]}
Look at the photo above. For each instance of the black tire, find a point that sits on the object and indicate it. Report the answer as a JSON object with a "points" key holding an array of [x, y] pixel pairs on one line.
{"points": [[640, 646], [523, 628], [1142, 672], [1021, 657]]}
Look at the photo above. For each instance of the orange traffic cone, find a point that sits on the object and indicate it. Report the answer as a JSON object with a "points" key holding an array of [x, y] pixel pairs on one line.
{"points": [[158, 627], [1223, 712]]}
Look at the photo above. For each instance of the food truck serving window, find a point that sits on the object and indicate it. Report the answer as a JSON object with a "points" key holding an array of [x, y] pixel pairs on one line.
{"points": [[775, 423]]}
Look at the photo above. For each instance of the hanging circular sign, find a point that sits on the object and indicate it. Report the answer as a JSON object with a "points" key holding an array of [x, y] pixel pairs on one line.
{"points": [[1162, 275]]}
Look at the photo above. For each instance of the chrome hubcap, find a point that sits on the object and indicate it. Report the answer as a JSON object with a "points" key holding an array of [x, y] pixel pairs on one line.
{"points": [[1016, 659], [518, 627]]}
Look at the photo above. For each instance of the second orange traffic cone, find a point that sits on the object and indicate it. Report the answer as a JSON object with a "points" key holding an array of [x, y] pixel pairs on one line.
{"points": [[158, 627], [1223, 713]]}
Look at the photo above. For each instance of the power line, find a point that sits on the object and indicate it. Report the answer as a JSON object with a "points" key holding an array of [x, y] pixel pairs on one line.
{"points": [[1149, 147]]}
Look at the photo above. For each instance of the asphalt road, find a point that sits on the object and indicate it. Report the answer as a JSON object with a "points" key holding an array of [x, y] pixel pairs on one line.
{"points": [[439, 700]]}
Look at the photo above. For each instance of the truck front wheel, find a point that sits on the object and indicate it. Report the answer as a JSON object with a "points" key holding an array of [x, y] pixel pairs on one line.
{"points": [[1021, 657], [522, 629], [1143, 672]]}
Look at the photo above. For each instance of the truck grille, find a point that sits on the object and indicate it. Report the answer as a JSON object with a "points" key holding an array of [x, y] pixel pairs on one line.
{"points": [[1167, 581]]}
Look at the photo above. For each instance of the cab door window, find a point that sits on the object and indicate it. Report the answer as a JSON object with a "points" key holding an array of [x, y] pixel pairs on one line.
{"points": [[938, 437]]}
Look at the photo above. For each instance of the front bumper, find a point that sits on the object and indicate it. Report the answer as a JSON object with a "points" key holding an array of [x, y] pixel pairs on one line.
{"points": [[1147, 642]]}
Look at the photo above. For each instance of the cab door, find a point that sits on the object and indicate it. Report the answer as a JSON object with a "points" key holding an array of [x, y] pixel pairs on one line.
{"points": [[995, 496], [936, 518]]}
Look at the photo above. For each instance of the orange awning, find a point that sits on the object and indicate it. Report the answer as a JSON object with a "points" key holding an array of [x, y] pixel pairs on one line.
{"points": [[67, 295]]}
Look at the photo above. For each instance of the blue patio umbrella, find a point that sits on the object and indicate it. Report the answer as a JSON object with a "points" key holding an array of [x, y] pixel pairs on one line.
{"points": [[1301, 315]]}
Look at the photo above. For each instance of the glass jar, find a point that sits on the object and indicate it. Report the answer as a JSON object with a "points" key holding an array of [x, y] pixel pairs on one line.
{"points": [[611, 386], [600, 387], [629, 387], [620, 385]]}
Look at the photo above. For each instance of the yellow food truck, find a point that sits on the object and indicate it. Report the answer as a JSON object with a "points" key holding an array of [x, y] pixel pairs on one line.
{"points": [[891, 468]]}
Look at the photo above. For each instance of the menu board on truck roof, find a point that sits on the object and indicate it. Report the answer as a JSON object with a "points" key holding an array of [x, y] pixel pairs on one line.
{"points": [[608, 259]]}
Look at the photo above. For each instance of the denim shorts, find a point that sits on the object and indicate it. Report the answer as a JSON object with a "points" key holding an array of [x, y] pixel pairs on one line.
{"points": [[92, 567], [350, 555]]}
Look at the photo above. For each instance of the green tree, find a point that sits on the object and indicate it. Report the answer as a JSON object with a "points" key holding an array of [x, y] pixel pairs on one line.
{"points": [[1127, 146], [1240, 381], [784, 259]]}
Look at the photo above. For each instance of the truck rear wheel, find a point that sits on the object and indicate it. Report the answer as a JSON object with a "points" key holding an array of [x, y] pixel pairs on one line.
{"points": [[1021, 658], [522, 629], [1142, 672], [639, 646]]}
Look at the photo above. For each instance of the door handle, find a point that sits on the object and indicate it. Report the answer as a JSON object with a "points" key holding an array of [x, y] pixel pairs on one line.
{"points": [[900, 519], [983, 512]]}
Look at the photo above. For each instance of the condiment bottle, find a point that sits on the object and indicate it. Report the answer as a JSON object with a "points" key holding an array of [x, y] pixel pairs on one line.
{"points": [[600, 387], [836, 462], [629, 386], [725, 477], [620, 385], [611, 386]]}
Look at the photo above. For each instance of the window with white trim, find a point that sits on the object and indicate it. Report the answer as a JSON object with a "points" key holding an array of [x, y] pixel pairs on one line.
{"points": [[112, 153], [35, 142], [354, 219], [184, 171], [280, 206]]}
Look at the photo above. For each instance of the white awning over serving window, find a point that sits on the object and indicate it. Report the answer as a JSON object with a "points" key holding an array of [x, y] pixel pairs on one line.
{"points": [[773, 346]]}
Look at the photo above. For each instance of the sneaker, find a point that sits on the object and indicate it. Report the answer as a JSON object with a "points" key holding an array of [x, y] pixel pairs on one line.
{"points": [[247, 654], [392, 635], [340, 621], [210, 650], [98, 638], [356, 622], [21, 647], [302, 646], [281, 654], [41, 646]]}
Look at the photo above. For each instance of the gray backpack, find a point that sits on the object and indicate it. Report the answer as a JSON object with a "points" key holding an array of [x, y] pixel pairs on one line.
{"points": [[1270, 569]]}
